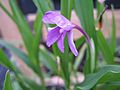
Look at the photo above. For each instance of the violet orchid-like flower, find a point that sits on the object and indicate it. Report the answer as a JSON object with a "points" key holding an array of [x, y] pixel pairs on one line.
{"points": [[63, 27]]}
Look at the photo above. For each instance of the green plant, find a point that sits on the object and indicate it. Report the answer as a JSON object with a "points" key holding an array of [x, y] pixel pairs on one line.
{"points": [[59, 64]]}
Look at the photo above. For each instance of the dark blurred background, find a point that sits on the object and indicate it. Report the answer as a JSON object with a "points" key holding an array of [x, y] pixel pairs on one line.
{"points": [[27, 6]]}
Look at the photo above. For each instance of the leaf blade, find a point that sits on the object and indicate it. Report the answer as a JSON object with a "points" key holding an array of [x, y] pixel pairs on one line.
{"points": [[8, 84], [92, 79], [102, 44]]}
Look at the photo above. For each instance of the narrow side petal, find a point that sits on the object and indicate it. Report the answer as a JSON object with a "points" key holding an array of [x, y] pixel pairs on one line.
{"points": [[53, 36], [60, 42], [71, 43]]}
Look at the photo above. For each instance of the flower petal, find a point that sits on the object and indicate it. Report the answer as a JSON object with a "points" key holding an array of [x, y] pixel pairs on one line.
{"points": [[53, 36], [71, 43], [48, 17], [53, 17], [60, 42]]}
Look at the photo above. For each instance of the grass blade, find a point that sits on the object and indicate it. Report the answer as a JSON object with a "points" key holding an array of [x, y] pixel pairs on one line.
{"points": [[113, 33], [22, 24], [5, 61], [92, 79], [17, 52], [48, 60], [8, 83], [85, 15], [102, 44], [42, 5]]}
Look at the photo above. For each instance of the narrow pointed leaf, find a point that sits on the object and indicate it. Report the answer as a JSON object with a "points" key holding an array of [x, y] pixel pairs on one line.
{"points": [[41, 5], [48, 60], [17, 52], [8, 83], [113, 33], [79, 42], [66, 8], [84, 10], [5, 61], [38, 34], [22, 24], [92, 79], [103, 46]]}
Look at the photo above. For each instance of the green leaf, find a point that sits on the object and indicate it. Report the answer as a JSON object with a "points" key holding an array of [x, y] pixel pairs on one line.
{"points": [[108, 86], [100, 7], [111, 86], [103, 46], [27, 83], [84, 10], [87, 66], [42, 5], [5, 61], [16, 85], [92, 79], [90, 64], [70, 7], [92, 55], [8, 83], [113, 33], [38, 34], [48, 59], [66, 8], [90, 59], [80, 56], [22, 24], [17, 52], [50, 4], [86, 17], [79, 42], [100, 10], [22, 56]]}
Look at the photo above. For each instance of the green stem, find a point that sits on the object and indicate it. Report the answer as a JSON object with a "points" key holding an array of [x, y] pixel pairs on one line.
{"points": [[40, 75], [42, 80], [66, 8], [37, 70]]}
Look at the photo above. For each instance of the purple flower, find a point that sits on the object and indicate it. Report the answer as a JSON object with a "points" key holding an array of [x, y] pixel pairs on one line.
{"points": [[57, 34]]}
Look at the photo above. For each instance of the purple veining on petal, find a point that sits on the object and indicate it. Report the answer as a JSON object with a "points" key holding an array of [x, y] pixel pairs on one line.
{"points": [[71, 43], [60, 42], [53, 36]]}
